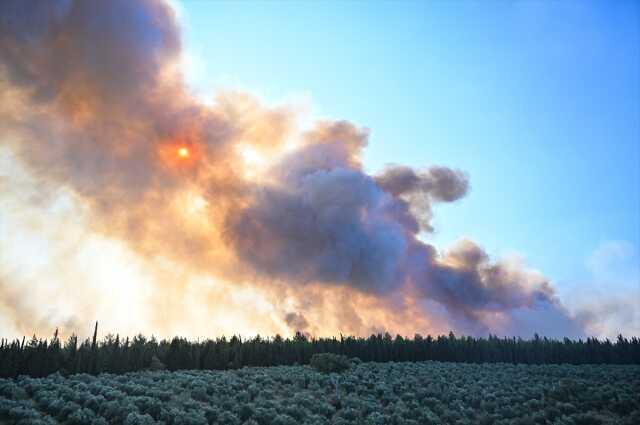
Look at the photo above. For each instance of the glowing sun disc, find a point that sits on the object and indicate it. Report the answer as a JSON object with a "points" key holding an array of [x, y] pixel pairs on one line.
{"points": [[183, 152]]}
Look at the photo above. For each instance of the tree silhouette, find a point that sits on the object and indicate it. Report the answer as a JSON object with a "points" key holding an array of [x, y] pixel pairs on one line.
{"points": [[39, 357]]}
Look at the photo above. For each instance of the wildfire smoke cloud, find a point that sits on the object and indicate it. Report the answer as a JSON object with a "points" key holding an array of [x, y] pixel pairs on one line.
{"points": [[94, 107]]}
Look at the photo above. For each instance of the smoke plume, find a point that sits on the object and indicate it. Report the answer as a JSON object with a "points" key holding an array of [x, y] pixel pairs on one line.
{"points": [[227, 210]]}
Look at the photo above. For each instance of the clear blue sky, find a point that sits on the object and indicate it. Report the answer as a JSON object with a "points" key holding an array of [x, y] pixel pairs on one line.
{"points": [[539, 102]]}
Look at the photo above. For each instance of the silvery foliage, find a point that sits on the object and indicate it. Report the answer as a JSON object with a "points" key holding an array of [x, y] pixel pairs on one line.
{"points": [[367, 393]]}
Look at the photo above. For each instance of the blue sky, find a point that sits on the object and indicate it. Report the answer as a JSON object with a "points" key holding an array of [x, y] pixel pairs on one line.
{"points": [[538, 101]]}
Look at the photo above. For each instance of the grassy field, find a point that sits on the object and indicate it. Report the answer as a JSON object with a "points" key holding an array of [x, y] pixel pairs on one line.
{"points": [[367, 393]]}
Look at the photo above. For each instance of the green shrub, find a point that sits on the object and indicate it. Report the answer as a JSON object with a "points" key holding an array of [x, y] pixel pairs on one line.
{"points": [[425, 393], [330, 363]]}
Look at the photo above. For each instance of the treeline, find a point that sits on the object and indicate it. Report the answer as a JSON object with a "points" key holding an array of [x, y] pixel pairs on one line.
{"points": [[41, 357]]}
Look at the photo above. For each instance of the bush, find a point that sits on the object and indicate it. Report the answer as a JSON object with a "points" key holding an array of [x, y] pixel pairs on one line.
{"points": [[156, 364], [284, 420], [81, 417], [138, 419], [330, 363], [427, 393]]}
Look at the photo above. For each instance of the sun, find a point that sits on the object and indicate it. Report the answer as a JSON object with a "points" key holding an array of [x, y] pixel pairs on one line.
{"points": [[178, 154]]}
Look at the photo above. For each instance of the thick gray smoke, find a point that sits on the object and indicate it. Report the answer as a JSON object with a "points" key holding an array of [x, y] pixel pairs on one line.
{"points": [[421, 189], [296, 321], [94, 100], [325, 220]]}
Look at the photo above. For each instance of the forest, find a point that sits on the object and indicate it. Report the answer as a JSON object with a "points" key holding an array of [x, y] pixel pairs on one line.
{"points": [[112, 354]]}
